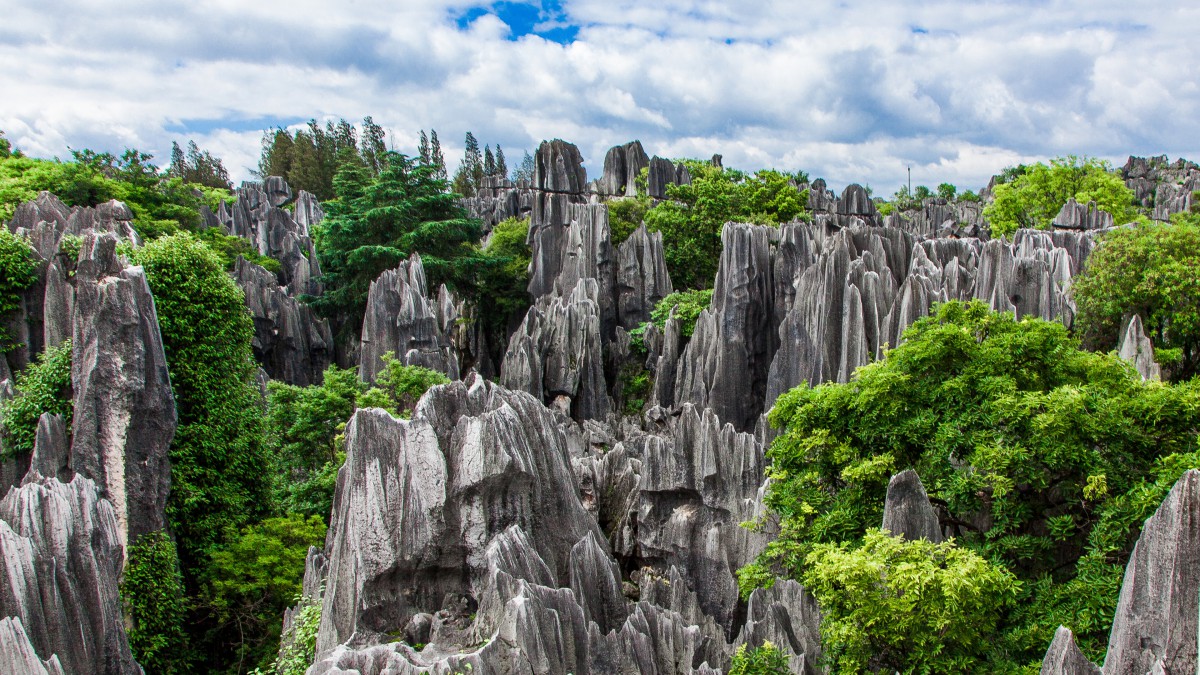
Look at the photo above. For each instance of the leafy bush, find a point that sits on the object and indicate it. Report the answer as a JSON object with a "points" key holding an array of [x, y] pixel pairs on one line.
{"points": [[251, 580], [1009, 425], [687, 305], [152, 590], [398, 387], [500, 289], [635, 387], [892, 605], [625, 215], [300, 640], [219, 477], [43, 387], [230, 247], [18, 271], [1032, 197], [765, 659], [1152, 270]]}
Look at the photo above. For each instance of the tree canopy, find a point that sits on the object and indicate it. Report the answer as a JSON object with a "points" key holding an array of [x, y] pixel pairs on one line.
{"points": [[1042, 457], [1152, 270], [310, 158], [1031, 196]]}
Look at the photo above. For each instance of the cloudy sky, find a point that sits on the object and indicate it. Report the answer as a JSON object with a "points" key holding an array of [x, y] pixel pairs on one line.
{"points": [[852, 91]]}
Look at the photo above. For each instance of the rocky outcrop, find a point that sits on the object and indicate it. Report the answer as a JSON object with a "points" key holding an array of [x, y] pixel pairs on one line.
{"points": [[497, 199], [61, 558], [1158, 612], [725, 365], [559, 182], [1064, 657], [1160, 185], [907, 511], [258, 216], [1137, 349], [400, 318], [558, 167], [588, 254], [17, 654], [1076, 216], [788, 617], [556, 354], [642, 279], [124, 417], [290, 342], [622, 164]]}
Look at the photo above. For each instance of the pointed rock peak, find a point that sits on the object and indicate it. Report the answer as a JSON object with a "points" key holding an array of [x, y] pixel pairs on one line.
{"points": [[1064, 657], [907, 512], [558, 167], [1137, 349], [1158, 611]]}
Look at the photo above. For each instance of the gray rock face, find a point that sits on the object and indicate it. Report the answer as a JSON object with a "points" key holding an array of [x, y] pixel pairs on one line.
{"points": [[725, 365], [1076, 216], [622, 164], [642, 278], [548, 232], [418, 502], [498, 199], [907, 512], [258, 217], [558, 167], [588, 254], [790, 618], [401, 318], [557, 352], [290, 342], [60, 558], [51, 449], [661, 174], [17, 655], [124, 417], [1137, 349], [1159, 608], [1064, 657]]}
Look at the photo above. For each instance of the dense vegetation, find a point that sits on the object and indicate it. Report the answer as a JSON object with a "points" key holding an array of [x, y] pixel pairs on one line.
{"points": [[310, 158], [1152, 270], [1042, 456], [43, 387], [1031, 196]]}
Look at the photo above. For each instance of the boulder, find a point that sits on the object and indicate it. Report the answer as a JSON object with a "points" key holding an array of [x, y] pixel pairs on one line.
{"points": [[1137, 349], [907, 512]]}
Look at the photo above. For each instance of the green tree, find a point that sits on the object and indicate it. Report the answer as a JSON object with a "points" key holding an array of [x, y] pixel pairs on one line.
{"points": [[152, 590], [489, 161], [947, 191], [43, 387], [766, 659], [250, 581], [1013, 429], [436, 159], [197, 167], [503, 282], [524, 172], [373, 146], [501, 164], [218, 463], [892, 605], [470, 170], [1152, 270], [1032, 196], [398, 387], [377, 223]]}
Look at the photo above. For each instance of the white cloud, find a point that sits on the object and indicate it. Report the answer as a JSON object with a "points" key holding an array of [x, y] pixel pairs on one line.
{"points": [[853, 91]]}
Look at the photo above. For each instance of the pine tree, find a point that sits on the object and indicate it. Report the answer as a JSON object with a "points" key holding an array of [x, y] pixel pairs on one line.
{"points": [[489, 161], [436, 158], [178, 164], [423, 149], [373, 145], [501, 167], [525, 171], [473, 160]]}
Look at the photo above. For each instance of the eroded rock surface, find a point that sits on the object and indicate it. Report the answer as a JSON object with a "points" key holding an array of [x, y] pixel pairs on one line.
{"points": [[402, 319]]}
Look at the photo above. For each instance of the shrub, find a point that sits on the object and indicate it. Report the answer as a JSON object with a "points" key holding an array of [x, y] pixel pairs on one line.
{"points": [[18, 271], [766, 659], [1032, 197], [43, 387], [152, 590]]}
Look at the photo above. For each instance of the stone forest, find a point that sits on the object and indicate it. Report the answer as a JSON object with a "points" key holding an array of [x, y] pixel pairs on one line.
{"points": [[363, 416]]}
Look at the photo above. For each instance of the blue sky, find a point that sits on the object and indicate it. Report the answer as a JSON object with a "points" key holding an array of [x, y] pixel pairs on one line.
{"points": [[851, 91]]}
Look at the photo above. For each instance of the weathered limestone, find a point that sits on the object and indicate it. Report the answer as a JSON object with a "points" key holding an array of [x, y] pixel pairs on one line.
{"points": [[17, 655], [1076, 216], [622, 164], [1137, 349], [1158, 612], [290, 342], [124, 417], [1064, 657], [907, 512], [60, 562], [258, 217], [400, 318], [790, 618], [642, 279]]}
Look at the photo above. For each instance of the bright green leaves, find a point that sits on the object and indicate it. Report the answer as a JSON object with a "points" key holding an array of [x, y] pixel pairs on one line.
{"points": [[18, 270], [1036, 193], [43, 387], [153, 594], [906, 606]]}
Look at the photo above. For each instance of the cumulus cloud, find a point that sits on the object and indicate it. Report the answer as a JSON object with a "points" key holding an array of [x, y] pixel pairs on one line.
{"points": [[845, 89]]}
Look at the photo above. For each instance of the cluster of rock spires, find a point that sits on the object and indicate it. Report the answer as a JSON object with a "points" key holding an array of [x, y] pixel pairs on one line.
{"points": [[522, 525]]}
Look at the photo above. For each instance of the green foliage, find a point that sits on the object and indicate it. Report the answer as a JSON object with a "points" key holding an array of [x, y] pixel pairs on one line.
{"points": [[765, 659], [230, 247], [310, 158], [152, 590], [200, 168], [300, 640], [625, 215], [218, 463], [250, 581], [376, 223], [1033, 196], [947, 191], [687, 305], [1008, 423], [1152, 270], [43, 387], [501, 284], [18, 271], [635, 388], [692, 219], [892, 605], [303, 430], [398, 387]]}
